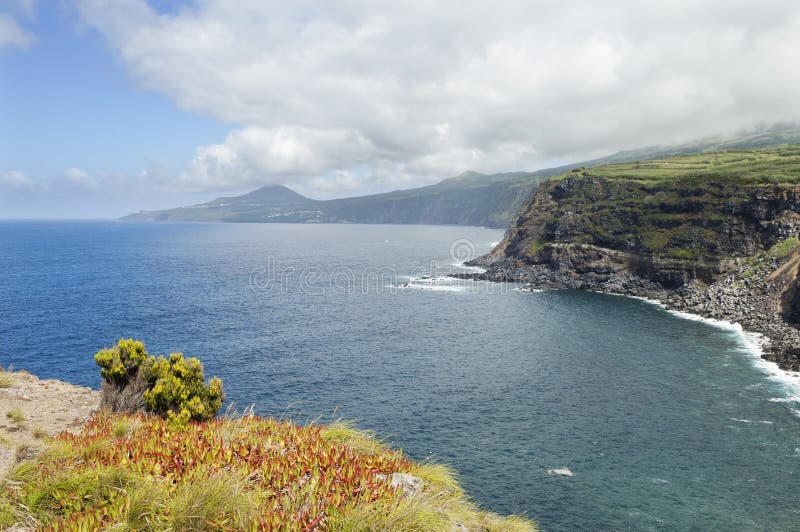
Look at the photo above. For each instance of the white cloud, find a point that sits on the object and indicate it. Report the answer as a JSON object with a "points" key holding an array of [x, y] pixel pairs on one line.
{"points": [[79, 177], [12, 35], [396, 93], [253, 156], [17, 180]]}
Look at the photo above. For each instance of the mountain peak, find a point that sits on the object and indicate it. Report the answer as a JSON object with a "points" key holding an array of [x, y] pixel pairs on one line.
{"points": [[272, 195]]}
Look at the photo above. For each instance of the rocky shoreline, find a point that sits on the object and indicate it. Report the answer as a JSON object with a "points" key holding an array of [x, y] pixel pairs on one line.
{"points": [[749, 300]]}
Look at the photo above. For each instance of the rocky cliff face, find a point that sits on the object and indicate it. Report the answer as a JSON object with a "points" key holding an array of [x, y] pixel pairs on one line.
{"points": [[716, 236], [670, 233]]}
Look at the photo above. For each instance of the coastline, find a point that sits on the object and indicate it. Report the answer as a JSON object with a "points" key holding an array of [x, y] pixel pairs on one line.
{"points": [[728, 303]]}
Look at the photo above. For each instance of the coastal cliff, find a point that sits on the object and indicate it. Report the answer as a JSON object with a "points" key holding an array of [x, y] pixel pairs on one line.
{"points": [[713, 234]]}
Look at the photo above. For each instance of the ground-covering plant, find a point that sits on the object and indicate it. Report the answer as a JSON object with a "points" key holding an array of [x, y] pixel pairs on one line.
{"points": [[138, 472], [15, 415], [173, 387]]}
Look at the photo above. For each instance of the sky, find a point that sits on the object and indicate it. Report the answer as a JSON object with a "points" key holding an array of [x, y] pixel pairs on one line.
{"points": [[109, 107]]}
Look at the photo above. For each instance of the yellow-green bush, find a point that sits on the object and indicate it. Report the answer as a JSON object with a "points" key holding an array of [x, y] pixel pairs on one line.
{"points": [[173, 387], [122, 361], [177, 389]]}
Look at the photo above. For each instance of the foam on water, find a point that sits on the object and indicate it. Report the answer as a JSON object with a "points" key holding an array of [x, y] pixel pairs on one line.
{"points": [[753, 344], [431, 283], [462, 266], [749, 342], [433, 287], [528, 289]]}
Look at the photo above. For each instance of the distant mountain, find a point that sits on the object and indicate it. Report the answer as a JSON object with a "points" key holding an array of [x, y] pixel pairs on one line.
{"points": [[469, 199], [266, 204], [472, 198]]}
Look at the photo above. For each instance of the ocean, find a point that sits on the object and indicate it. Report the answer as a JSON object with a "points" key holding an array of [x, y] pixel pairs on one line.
{"points": [[667, 423]]}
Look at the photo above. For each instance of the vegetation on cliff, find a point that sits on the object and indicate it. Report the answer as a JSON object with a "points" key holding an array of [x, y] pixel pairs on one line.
{"points": [[173, 387], [697, 211], [155, 471]]}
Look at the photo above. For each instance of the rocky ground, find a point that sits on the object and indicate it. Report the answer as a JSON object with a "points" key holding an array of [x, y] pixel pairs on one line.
{"points": [[31, 409], [749, 298]]}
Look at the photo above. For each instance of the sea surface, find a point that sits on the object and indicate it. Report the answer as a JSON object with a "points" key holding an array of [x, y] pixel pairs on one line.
{"points": [[667, 423]]}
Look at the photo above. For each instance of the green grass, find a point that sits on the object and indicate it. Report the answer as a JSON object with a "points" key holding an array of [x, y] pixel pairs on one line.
{"points": [[8, 514], [211, 500], [345, 433], [15, 415], [759, 264], [783, 248], [439, 505], [770, 165]]}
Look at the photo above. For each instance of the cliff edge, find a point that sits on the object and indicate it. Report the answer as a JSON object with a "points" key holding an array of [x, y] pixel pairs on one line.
{"points": [[715, 234]]}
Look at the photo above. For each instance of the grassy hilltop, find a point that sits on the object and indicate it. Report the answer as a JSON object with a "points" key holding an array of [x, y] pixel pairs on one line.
{"points": [[770, 165]]}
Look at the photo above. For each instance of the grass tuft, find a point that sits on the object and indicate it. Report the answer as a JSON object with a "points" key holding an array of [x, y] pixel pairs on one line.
{"points": [[15, 415], [213, 500], [122, 427], [6, 380], [8, 514], [413, 514], [345, 433], [146, 504]]}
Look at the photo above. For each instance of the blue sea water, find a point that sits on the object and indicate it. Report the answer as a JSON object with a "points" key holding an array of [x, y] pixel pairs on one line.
{"points": [[667, 423]]}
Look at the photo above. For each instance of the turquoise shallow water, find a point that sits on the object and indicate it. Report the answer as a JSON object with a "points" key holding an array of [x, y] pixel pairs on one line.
{"points": [[667, 423]]}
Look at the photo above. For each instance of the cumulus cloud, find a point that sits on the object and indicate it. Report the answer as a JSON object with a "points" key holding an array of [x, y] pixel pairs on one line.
{"points": [[394, 93], [12, 35], [79, 177], [256, 155], [17, 180]]}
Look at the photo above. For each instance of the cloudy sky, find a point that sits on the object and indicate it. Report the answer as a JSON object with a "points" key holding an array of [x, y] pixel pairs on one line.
{"points": [[111, 106]]}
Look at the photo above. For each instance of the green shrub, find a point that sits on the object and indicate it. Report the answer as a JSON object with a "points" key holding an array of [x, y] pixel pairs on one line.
{"points": [[120, 363], [179, 391], [172, 387]]}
